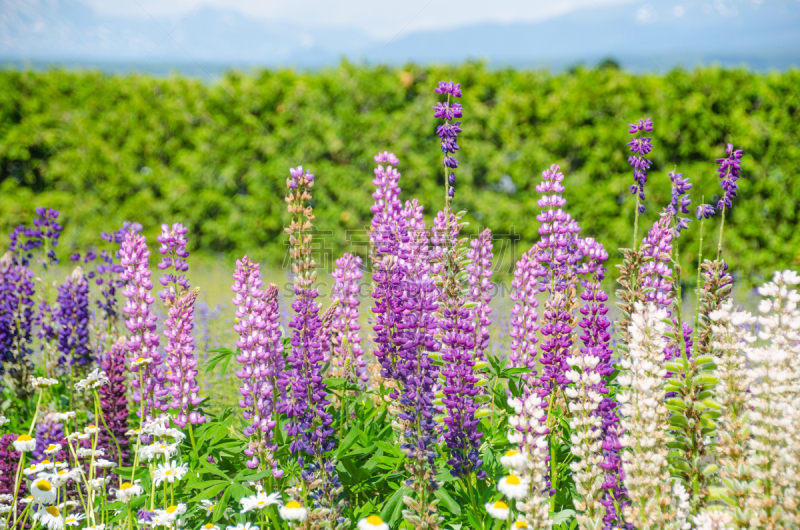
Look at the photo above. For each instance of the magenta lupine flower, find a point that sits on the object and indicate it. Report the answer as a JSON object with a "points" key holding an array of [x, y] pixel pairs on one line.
{"points": [[524, 315], [179, 349], [417, 246], [656, 272], [480, 287], [114, 403], [558, 255], [594, 326], [260, 352], [680, 201], [640, 146], [141, 323], [729, 171], [9, 459], [72, 320], [345, 326]]}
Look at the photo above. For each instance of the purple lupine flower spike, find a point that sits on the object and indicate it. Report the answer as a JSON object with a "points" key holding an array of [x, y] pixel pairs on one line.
{"points": [[49, 432], [680, 201], [596, 339], [656, 272], [72, 320], [345, 325], [141, 323], [640, 146], [114, 404], [179, 350], [524, 315], [16, 326], [448, 132], [729, 170], [704, 210], [417, 246], [480, 287]]}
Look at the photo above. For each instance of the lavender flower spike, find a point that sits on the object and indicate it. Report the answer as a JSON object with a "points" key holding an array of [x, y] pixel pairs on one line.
{"points": [[680, 201], [345, 325], [179, 349], [141, 322], [729, 171], [641, 146], [480, 286]]}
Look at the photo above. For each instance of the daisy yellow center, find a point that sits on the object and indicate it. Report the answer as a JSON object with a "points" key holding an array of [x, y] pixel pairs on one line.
{"points": [[24, 438], [172, 509], [52, 510], [44, 462], [70, 520], [51, 447], [168, 472], [513, 480], [91, 426], [500, 505], [374, 520], [208, 526], [139, 360], [43, 485], [62, 472], [260, 503], [521, 524], [162, 446], [34, 466], [212, 507], [126, 485], [293, 504], [512, 453]]}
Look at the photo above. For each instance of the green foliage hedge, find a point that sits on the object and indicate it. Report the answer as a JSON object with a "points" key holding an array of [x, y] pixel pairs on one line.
{"points": [[104, 149]]}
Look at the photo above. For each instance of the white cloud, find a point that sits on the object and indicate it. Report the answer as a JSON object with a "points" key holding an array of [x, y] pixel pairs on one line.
{"points": [[678, 11], [379, 18]]}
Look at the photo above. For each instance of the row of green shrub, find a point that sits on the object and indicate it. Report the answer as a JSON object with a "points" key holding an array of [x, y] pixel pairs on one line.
{"points": [[104, 149]]}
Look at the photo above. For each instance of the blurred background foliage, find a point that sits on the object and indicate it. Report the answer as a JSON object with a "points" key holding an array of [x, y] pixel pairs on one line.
{"points": [[104, 149]]}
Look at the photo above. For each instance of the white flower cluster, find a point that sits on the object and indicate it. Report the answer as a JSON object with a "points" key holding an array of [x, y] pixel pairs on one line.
{"points": [[93, 381], [644, 416], [529, 464], [586, 446]]}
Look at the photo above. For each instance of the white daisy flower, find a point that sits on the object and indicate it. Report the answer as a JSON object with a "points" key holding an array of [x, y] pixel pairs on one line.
{"points": [[498, 510], [207, 506], [513, 487], [103, 463], [50, 517], [519, 523], [209, 526], [60, 477], [95, 379], [141, 361], [52, 449], [47, 464], [71, 437], [42, 382], [170, 514], [513, 460], [5, 508], [259, 501], [91, 429], [87, 451], [242, 526], [74, 519], [132, 432], [33, 469], [27, 500], [99, 483], [373, 522], [24, 443], [43, 491], [127, 491], [170, 472], [6, 497], [64, 416], [3, 420], [293, 512], [96, 527]]}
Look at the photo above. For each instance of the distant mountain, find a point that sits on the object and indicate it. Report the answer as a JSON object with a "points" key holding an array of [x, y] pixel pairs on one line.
{"points": [[760, 35]]}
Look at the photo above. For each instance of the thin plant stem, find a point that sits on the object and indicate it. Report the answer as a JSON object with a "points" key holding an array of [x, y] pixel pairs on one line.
{"points": [[636, 224], [113, 437], [721, 226]]}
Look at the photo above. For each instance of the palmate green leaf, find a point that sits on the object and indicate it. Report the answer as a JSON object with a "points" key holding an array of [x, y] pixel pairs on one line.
{"points": [[392, 510], [447, 501], [223, 355], [219, 509]]}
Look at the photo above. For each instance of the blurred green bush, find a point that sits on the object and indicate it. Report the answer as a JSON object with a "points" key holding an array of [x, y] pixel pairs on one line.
{"points": [[104, 149]]}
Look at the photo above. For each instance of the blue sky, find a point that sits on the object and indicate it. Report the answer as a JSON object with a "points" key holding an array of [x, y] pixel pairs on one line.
{"points": [[646, 34]]}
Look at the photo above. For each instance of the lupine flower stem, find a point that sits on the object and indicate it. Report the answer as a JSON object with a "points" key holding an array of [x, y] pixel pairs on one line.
{"points": [[699, 263]]}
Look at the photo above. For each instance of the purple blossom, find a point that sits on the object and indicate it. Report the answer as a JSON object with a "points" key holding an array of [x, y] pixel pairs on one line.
{"points": [[704, 210], [141, 323], [72, 320], [49, 432], [448, 87], [448, 132], [729, 171], [640, 146], [655, 272], [416, 248], [9, 459], [114, 404], [16, 322], [345, 325], [680, 201], [524, 314]]}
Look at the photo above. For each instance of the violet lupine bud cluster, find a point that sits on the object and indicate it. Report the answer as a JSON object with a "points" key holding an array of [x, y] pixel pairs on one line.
{"points": [[656, 273], [72, 321], [729, 170], [179, 349], [141, 323], [640, 146], [305, 399], [114, 404], [645, 419], [345, 326], [448, 132], [48, 433], [44, 234], [480, 289], [679, 204], [416, 248]]}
